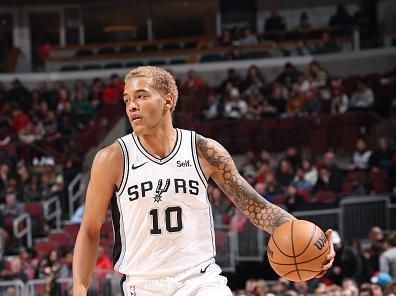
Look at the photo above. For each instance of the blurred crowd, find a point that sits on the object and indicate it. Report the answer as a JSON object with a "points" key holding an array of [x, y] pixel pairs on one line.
{"points": [[293, 93], [298, 182]]}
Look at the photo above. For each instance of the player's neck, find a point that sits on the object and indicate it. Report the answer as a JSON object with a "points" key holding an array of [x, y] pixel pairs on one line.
{"points": [[160, 142]]}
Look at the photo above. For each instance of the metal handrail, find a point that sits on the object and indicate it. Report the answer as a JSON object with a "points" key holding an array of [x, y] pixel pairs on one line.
{"points": [[79, 180], [17, 284], [50, 214], [26, 221]]}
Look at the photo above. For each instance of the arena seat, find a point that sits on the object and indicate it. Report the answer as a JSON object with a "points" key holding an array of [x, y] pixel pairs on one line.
{"points": [[379, 179], [72, 230], [59, 237], [127, 49], [84, 52], [106, 50], [67, 68], [91, 67], [44, 247], [325, 197], [306, 194]]}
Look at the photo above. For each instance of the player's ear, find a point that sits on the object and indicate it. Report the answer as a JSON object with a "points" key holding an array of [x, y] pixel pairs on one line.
{"points": [[169, 101]]}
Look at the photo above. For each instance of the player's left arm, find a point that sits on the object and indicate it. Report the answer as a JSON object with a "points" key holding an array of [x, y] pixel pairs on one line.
{"points": [[219, 166]]}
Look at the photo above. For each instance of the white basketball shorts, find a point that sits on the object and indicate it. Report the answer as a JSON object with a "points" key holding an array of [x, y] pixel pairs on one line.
{"points": [[202, 280]]}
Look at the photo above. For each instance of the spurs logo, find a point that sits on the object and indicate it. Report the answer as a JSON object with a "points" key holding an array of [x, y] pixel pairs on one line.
{"points": [[160, 190], [320, 243]]}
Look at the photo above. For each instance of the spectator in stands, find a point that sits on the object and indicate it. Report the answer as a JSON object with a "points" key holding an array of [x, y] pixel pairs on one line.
{"points": [[277, 100], [103, 263], [323, 183], [381, 158], [112, 92], [15, 271], [341, 18], [294, 201], [339, 100], [329, 161], [32, 132], [274, 50], [373, 251], [361, 156], [285, 173], [299, 180], [233, 78], [79, 89], [312, 104], [300, 49], [387, 260], [193, 83], [214, 108], [310, 171], [295, 103], [326, 45], [29, 261], [281, 286], [225, 38], [257, 105], [347, 263], [304, 23], [249, 38], [19, 94], [95, 93], [234, 54], [362, 98], [219, 206], [275, 22], [317, 75], [293, 156], [19, 120], [82, 108], [235, 107], [254, 81], [12, 207], [288, 76], [272, 187]]}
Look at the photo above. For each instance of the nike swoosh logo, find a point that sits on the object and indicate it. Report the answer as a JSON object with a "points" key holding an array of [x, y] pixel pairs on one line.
{"points": [[204, 270], [134, 167]]}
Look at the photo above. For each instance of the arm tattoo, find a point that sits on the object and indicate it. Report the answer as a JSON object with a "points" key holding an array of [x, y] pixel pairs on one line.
{"points": [[260, 212]]}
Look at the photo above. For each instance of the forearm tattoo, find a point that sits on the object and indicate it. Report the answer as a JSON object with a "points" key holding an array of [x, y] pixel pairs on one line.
{"points": [[261, 212]]}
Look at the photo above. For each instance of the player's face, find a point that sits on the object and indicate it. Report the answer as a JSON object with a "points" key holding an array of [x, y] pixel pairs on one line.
{"points": [[145, 106]]}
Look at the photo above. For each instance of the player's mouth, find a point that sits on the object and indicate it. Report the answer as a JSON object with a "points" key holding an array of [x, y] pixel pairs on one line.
{"points": [[135, 117]]}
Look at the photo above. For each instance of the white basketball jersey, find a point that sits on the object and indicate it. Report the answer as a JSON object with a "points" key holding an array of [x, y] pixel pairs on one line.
{"points": [[161, 214]]}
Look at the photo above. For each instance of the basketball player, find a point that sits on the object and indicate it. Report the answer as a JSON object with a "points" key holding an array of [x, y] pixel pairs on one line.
{"points": [[155, 180]]}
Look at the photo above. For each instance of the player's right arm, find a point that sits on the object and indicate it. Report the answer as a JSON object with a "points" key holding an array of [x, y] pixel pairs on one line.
{"points": [[106, 172]]}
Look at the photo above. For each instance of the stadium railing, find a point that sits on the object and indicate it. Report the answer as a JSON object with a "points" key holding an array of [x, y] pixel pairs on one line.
{"points": [[17, 285], [226, 247], [22, 227], [52, 210], [75, 190]]}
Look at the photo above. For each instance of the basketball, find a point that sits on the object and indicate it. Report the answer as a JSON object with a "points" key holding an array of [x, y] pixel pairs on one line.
{"points": [[297, 250]]}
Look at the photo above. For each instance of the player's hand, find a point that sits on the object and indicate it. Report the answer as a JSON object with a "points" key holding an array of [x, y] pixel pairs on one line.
{"points": [[330, 257]]}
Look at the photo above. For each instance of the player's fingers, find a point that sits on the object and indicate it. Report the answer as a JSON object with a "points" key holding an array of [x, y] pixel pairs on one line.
{"points": [[321, 273]]}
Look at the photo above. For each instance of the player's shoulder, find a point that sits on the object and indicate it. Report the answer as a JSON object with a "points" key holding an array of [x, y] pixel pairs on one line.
{"points": [[109, 155]]}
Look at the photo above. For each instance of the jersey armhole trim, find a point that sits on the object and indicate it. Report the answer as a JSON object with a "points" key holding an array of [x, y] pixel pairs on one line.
{"points": [[197, 165], [125, 171]]}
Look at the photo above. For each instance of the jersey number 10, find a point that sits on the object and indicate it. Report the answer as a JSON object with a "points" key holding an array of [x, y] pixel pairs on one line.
{"points": [[170, 227]]}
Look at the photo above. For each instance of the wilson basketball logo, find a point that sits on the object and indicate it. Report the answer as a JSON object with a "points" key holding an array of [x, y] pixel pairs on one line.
{"points": [[270, 253], [320, 243]]}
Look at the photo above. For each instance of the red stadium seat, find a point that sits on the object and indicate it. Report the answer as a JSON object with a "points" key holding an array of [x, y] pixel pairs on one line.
{"points": [[279, 199], [346, 188], [35, 209], [380, 181], [306, 194], [72, 230], [59, 238], [44, 247], [359, 176], [325, 197]]}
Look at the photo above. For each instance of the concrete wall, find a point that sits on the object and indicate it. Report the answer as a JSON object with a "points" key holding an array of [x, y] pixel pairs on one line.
{"points": [[339, 64]]}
